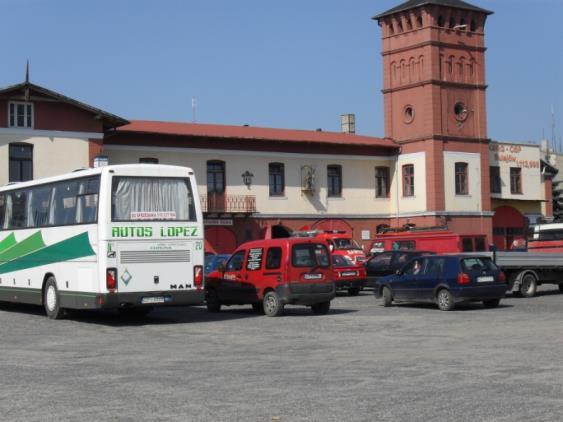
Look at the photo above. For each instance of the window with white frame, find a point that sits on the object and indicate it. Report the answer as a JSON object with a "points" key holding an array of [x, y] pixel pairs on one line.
{"points": [[20, 114]]}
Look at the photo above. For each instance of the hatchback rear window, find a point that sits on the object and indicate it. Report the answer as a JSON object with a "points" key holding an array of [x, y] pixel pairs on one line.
{"points": [[477, 264], [310, 255]]}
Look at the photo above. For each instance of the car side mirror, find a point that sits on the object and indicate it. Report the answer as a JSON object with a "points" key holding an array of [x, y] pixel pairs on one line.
{"points": [[221, 267]]}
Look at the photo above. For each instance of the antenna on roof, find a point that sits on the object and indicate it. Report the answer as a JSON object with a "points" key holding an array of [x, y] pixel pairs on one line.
{"points": [[27, 72], [194, 108]]}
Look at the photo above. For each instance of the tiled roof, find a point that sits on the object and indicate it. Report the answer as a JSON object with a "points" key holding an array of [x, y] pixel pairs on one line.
{"points": [[252, 133], [411, 4]]}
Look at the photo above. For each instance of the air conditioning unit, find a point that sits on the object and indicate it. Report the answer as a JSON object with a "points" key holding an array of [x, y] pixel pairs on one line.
{"points": [[308, 179]]}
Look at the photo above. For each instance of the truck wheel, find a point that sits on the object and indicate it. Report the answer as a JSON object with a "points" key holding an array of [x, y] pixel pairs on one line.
{"points": [[387, 297], [529, 286], [51, 299], [561, 288], [212, 301], [273, 306], [492, 303], [321, 308], [354, 291], [445, 300]]}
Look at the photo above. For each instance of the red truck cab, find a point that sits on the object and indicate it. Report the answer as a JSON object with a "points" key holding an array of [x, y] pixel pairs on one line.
{"points": [[341, 243], [272, 273]]}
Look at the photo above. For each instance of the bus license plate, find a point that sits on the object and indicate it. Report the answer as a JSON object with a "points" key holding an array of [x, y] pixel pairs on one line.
{"points": [[485, 279], [153, 299]]}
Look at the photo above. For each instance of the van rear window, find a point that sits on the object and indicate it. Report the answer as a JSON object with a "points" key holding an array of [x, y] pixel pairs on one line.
{"points": [[310, 255]]}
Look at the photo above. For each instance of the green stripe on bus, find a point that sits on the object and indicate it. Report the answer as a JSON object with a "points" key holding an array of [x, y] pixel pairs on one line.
{"points": [[26, 246], [75, 247], [7, 242]]}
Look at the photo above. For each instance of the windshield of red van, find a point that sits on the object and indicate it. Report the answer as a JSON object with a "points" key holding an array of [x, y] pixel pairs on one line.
{"points": [[310, 255], [345, 243]]}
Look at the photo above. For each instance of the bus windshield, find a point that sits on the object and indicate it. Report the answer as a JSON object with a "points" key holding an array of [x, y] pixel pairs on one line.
{"points": [[152, 199]]}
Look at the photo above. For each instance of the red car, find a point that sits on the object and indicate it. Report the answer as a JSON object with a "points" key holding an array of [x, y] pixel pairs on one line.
{"points": [[348, 275], [272, 273]]}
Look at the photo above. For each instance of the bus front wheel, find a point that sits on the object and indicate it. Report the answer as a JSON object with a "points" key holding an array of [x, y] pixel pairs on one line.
{"points": [[51, 299]]}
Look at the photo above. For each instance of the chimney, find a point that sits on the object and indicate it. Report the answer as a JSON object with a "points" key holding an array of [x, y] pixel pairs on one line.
{"points": [[348, 123]]}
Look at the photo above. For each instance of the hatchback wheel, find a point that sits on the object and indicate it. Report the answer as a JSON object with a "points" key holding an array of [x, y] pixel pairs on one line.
{"points": [[445, 300], [273, 306], [491, 303], [387, 297]]}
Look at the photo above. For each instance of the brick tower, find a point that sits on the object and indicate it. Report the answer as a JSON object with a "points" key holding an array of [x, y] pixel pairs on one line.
{"points": [[434, 91]]}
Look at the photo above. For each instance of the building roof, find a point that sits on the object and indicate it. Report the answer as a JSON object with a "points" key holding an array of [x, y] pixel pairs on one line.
{"points": [[109, 120], [411, 4], [253, 133]]}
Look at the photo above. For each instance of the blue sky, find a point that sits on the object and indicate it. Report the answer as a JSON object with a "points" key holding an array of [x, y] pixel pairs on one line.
{"points": [[288, 64]]}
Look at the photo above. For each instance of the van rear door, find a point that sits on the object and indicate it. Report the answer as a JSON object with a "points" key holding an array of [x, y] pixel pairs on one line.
{"points": [[310, 263]]}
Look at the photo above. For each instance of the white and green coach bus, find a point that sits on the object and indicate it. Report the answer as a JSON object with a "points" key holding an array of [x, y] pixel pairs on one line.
{"points": [[128, 237]]}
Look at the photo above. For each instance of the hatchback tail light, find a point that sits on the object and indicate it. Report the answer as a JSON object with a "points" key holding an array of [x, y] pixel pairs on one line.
{"points": [[463, 278], [198, 276], [502, 277], [111, 279]]}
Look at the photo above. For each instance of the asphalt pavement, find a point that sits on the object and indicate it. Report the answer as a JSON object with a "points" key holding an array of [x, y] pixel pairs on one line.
{"points": [[361, 362]]}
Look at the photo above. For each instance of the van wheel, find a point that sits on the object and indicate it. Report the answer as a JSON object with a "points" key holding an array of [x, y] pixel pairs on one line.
{"points": [[529, 286], [321, 308], [387, 297], [492, 303], [445, 300], [273, 306], [51, 299], [258, 308], [354, 291], [212, 301]]}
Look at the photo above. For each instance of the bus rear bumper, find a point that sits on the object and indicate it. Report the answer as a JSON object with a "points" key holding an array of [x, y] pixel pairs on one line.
{"points": [[135, 299]]}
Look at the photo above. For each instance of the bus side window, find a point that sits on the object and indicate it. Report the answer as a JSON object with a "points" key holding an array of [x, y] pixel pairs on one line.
{"points": [[63, 209], [17, 209], [38, 206], [87, 206], [2, 209]]}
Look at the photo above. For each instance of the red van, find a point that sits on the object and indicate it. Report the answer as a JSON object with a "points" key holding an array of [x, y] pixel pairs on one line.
{"points": [[272, 273], [437, 240]]}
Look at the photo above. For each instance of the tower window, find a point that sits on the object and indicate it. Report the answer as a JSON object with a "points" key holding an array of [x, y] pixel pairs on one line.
{"points": [[400, 26], [408, 114], [419, 21], [461, 184], [409, 24], [20, 114], [408, 180], [460, 111], [441, 21], [473, 25], [452, 23]]}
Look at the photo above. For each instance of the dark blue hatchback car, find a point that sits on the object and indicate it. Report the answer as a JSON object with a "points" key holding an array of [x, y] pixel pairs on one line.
{"points": [[445, 280]]}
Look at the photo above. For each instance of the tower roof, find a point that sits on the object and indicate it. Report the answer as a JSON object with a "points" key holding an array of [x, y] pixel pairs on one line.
{"points": [[411, 4]]}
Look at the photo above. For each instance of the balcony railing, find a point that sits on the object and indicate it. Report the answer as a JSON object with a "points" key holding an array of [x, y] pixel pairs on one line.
{"points": [[223, 203]]}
